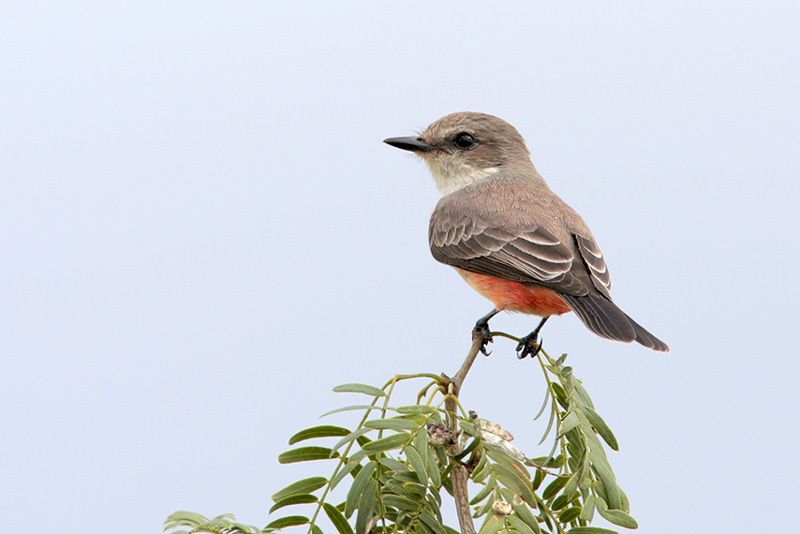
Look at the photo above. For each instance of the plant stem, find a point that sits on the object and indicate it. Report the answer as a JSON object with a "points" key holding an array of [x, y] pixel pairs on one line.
{"points": [[459, 475]]}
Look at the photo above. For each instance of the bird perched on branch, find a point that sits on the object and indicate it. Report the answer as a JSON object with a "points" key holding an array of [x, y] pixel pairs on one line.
{"points": [[509, 236]]}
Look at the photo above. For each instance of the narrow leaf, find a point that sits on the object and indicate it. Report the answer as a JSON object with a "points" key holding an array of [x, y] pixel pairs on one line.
{"points": [[526, 515], [568, 423], [323, 431], [346, 470], [569, 514], [338, 520], [417, 464], [365, 506], [554, 487], [306, 454], [394, 441], [359, 388], [360, 482], [350, 409], [484, 492], [553, 415], [602, 428], [419, 409], [618, 517], [391, 424], [295, 499], [588, 508], [300, 487], [519, 525], [290, 521], [515, 483], [349, 437]]}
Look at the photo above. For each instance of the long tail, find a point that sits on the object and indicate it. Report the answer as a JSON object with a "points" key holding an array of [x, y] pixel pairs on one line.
{"points": [[605, 319]]}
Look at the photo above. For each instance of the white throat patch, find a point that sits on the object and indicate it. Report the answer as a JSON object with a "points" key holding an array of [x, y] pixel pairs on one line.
{"points": [[451, 174]]}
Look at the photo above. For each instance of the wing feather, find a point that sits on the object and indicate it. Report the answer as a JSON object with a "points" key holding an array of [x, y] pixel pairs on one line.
{"points": [[593, 258], [533, 255]]}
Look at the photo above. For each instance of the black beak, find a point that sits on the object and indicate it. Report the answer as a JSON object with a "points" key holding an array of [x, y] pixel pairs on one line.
{"points": [[414, 144]]}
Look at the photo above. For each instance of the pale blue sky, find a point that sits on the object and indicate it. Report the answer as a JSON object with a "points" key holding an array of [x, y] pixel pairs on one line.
{"points": [[202, 233]]}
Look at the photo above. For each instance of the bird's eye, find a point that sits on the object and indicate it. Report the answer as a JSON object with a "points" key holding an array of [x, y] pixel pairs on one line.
{"points": [[464, 141]]}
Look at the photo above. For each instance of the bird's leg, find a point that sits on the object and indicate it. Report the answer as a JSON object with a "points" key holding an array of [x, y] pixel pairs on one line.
{"points": [[482, 329], [528, 345]]}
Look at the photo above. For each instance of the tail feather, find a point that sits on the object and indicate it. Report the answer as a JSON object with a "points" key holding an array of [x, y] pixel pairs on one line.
{"points": [[605, 319]]}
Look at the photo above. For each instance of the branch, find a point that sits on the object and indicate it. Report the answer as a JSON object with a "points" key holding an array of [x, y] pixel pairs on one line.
{"points": [[459, 475]]}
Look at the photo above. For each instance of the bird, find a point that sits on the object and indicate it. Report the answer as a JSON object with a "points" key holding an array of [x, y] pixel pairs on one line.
{"points": [[509, 236]]}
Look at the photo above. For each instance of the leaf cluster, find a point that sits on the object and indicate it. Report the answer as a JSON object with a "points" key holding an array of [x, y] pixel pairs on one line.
{"points": [[386, 474]]}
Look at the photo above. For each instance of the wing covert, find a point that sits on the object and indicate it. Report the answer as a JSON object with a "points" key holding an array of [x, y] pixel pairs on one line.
{"points": [[531, 255]]}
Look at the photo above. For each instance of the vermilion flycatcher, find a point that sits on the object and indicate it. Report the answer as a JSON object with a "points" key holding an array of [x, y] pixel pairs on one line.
{"points": [[509, 236]]}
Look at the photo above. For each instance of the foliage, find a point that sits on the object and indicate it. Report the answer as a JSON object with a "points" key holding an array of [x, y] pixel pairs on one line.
{"points": [[388, 470]]}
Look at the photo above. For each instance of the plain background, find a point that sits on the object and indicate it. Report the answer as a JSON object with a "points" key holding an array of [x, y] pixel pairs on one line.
{"points": [[202, 233]]}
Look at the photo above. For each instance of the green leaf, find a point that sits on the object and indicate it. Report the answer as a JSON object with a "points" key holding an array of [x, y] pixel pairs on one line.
{"points": [[417, 409], [526, 515], [301, 487], [315, 530], [591, 530], [360, 482], [618, 517], [349, 437], [360, 388], [365, 506], [513, 481], [394, 441], [338, 520], [560, 502], [323, 431], [432, 523], [394, 465], [568, 423], [191, 519], [391, 424], [295, 499], [306, 454], [588, 508], [538, 478], [433, 470], [484, 492], [289, 521], [601, 466], [602, 428], [492, 525], [519, 525], [561, 395], [421, 443], [569, 514], [401, 502], [350, 409], [501, 456], [550, 421], [343, 473], [417, 464], [554, 487]]}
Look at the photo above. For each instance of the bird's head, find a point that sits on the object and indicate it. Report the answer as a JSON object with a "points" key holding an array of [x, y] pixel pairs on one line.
{"points": [[463, 147]]}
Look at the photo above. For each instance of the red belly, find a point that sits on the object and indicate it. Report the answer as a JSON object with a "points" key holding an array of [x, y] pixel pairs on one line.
{"points": [[515, 296]]}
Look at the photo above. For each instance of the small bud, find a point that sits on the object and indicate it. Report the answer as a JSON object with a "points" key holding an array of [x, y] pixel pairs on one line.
{"points": [[440, 435], [501, 507]]}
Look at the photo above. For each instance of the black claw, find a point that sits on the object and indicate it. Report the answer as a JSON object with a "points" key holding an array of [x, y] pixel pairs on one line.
{"points": [[528, 346], [482, 329]]}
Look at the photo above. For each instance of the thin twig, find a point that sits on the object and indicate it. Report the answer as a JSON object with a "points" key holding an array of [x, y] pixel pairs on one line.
{"points": [[459, 475]]}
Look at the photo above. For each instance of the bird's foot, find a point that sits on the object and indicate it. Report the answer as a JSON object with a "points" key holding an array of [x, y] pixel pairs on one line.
{"points": [[529, 346], [482, 330]]}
